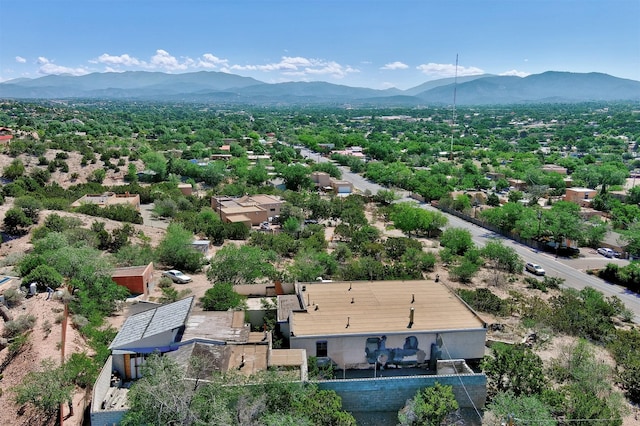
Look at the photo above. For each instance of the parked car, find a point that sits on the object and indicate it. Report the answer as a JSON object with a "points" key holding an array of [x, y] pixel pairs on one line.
{"points": [[534, 268], [265, 226], [177, 276], [606, 252]]}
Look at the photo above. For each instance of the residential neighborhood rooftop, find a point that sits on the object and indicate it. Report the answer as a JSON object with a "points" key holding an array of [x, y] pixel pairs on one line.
{"points": [[380, 307], [153, 322]]}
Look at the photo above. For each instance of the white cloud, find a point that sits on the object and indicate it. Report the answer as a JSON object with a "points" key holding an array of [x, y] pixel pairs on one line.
{"points": [[300, 66], [516, 73], [124, 60], [162, 59], [211, 61], [48, 67], [20, 59], [397, 65], [447, 70]]}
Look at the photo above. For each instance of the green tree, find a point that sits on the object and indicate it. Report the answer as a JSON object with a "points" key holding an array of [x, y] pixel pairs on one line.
{"points": [[515, 196], [45, 388], [522, 408], [241, 265], [14, 170], [594, 232], [156, 162], [493, 200], [429, 407], [16, 221], [563, 222], [30, 206], [514, 368], [631, 238], [501, 259], [309, 265], [97, 176], [296, 176], [625, 348], [221, 297], [162, 396], [44, 276], [257, 175], [464, 271], [457, 240], [587, 383], [291, 225], [505, 217], [175, 250]]}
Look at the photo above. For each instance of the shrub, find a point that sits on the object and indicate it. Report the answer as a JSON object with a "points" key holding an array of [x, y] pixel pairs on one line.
{"points": [[13, 297], [221, 297], [44, 276], [465, 271], [165, 282], [81, 370], [79, 321], [484, 300], [19, 325], [430, 406], [535, 284]]}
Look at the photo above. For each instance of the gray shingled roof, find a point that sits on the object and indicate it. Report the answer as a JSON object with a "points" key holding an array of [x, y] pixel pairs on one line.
{"points": [[152, 322]]}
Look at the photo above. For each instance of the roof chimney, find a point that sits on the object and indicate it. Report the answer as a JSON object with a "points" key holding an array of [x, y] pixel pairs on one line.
{"points": [[348, 318], [413, 298], [411, 311]]}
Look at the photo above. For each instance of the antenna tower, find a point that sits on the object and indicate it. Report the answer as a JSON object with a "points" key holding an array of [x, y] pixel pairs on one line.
{"points": [[453, 122]]}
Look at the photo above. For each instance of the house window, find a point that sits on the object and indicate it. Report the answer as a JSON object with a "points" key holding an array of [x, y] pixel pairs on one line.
{"points": [[272, 210], [321, 348]]}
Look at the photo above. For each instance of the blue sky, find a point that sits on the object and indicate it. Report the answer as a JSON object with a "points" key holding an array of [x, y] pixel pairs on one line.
{"points": [[367, 43]]}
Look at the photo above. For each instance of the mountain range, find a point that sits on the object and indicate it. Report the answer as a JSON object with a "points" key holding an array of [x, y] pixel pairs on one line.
{"points": [[224, 88]]}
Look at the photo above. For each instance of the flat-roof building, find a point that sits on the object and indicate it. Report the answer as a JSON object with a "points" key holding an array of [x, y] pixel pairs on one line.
{"points": [[356, 324], [249, 209]]}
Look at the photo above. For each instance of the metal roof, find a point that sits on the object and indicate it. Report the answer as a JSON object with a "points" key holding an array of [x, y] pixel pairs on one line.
{"points": [[153, 322]]}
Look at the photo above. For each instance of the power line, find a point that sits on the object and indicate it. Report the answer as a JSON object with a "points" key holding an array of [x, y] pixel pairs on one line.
{"points": [[460, 379]]}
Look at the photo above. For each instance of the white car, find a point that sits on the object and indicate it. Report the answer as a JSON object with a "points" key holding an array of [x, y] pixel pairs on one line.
{"points": [[534, 268], [606, 252], [177, 276]]}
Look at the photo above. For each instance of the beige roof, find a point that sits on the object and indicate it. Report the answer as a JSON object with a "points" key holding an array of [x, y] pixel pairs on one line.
{"points": [[240, 210], [259, 199], [287, 357], [238, 218], [224, 326], [129, 271], [380, 307]]}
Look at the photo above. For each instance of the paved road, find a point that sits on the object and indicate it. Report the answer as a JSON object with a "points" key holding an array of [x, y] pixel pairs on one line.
{"points": [[357, 180], [571, 270]]}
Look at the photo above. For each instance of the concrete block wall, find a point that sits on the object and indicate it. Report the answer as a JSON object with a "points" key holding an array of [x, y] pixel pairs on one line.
{"points": [[107, 418], [100, 417], [391, 393]]}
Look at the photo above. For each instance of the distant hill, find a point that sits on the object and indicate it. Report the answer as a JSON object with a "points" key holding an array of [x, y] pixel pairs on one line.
{"points": [[443, 82], [550, 87], [219, 87]]}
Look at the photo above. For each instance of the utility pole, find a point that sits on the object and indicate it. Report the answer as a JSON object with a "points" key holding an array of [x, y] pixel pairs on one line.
{"points": [[453, 123]]}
